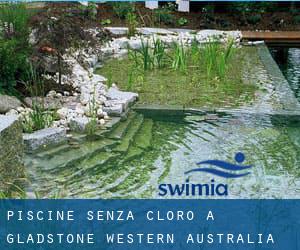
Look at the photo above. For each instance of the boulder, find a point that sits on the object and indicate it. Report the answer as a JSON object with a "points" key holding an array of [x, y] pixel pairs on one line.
{"points": [[11, 152], [78, 124], [124, 97], [49, 102], [7, 103], [44, 137], [115, 110]]}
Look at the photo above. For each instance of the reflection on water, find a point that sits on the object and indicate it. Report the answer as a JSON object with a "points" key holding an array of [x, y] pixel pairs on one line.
{"points": [[288, 60], [154, 150]]}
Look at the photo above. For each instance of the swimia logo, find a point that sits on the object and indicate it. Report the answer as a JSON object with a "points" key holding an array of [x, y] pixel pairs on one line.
{"points": [[215, 167]]}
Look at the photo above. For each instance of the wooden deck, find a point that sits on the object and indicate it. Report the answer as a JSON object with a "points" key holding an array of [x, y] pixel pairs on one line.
{"points": [[274, 37]]}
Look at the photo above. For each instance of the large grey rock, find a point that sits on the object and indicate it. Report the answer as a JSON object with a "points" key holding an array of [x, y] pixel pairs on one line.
{"points": [[117, 30], [115, 110], [118, 101], [44, 137], [8, 102], [78, 124], [115, 94], [11, 152], [151, 31], [48, 103]]}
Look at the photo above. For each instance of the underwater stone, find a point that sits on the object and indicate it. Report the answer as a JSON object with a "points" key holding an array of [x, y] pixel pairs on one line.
{"points": [[44, 137]]}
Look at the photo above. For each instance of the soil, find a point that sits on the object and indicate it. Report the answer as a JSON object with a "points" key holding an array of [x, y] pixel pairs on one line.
{"points": [[221, 18]]}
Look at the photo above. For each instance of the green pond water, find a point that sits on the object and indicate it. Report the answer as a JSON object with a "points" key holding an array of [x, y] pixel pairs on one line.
{"points": [[138, 154]]}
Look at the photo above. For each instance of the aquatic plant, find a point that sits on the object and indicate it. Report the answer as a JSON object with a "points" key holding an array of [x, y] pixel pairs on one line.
{"points": [[131, 21], [39, 117], [180, 57], [92, 126], [216, 58], [146, 55], [159, 53]]}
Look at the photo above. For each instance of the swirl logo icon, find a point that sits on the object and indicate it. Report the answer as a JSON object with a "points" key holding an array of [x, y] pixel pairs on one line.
{"points": [[224, 169]]}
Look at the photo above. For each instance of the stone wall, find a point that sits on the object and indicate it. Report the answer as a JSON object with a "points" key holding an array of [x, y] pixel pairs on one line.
{"points": [[11, 152]]}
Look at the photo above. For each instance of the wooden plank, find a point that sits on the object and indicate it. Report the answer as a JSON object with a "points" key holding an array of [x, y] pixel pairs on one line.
{"points": [[273, 36]]}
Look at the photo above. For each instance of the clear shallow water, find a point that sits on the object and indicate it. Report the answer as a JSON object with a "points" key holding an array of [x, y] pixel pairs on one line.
{"points": [[139, 154], [288, 60]]}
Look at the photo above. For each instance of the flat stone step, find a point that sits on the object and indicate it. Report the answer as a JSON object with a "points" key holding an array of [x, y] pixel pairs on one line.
{"points": [[72, 157], [128, 138], [91, 164], [51, 152], [133, 152], [144, 136], [122, 128]]}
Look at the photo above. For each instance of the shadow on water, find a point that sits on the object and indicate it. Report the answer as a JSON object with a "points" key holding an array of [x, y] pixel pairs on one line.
{"points": [[288, 60]]}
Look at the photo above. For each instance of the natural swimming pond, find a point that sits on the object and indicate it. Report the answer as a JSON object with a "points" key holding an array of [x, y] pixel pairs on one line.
{"points": [[142, 152], [147, 149]]}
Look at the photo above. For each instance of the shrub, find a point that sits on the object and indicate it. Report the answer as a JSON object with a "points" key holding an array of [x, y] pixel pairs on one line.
{"points": [[164, 15], [122, 9], [254, 19], [182, 21], [14, 45], [297, 19]]}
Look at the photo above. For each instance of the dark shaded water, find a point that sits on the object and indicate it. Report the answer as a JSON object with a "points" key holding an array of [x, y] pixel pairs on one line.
{"points": [[288, 60]]}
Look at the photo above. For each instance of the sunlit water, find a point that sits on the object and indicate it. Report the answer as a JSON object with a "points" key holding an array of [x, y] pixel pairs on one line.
{"points": [[271, 145]]}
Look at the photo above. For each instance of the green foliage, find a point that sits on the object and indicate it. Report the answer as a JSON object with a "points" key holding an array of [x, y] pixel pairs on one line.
{"points": [[38, 118], [159, 53], [14, 45], [216, 58], [164, 15], [106, 22], [131, 20], [297, 19], [149, 58], [254, 19], [182, 21], [180, 57], [92, 126], [122, 9]]}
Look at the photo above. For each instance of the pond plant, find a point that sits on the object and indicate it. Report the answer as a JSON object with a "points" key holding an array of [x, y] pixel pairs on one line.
{"points": [[200, 74], [38, 118]]}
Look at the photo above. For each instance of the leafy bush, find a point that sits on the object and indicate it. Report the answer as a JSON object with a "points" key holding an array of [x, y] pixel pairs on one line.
{"points": [[122, 9], [297, 19], [254, 19], [164, 15], [182, 21], [14, 45]]}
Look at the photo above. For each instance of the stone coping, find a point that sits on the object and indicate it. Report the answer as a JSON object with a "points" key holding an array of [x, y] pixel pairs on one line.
{"points": [[282, 87], [6, 121]]}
